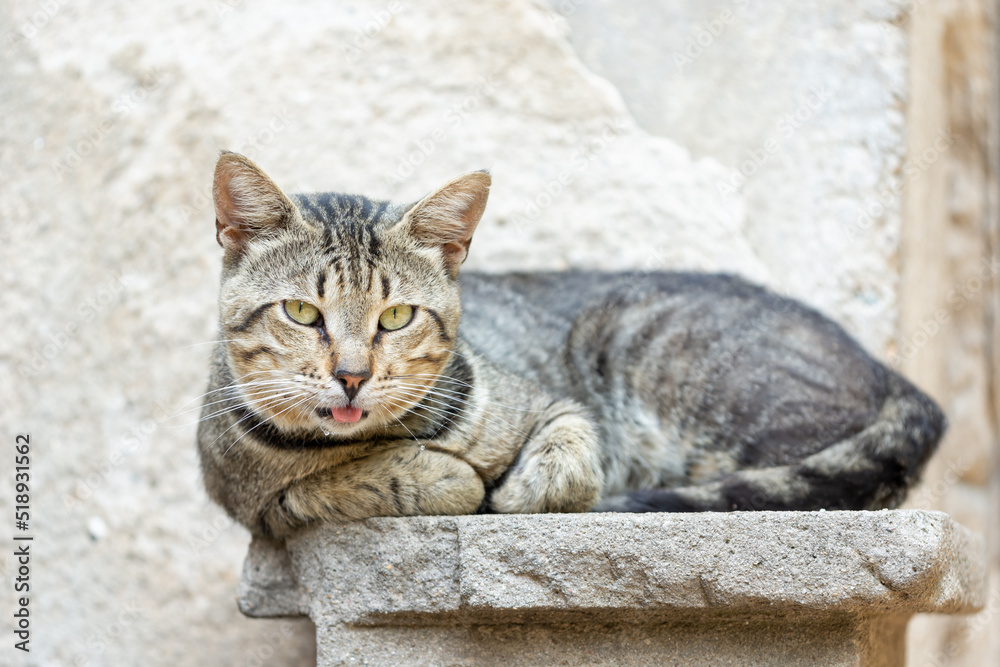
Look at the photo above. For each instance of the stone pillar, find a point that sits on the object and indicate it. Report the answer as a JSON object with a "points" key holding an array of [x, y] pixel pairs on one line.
{"points": [[789, 588]]}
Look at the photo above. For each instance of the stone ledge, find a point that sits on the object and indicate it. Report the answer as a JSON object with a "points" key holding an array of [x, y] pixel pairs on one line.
{"points": [[472, 570]]}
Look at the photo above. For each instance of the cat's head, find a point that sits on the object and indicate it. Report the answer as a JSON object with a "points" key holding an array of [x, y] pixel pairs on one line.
{"points": [[337, 311]]}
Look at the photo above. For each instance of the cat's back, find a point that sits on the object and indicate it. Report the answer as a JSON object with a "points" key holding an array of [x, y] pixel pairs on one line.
{"points": [[520, 321], [565, 294], [517, 319], [528, 320], [676, 360]]}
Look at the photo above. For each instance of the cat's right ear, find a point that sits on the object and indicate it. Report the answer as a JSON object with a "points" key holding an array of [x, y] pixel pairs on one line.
{"points": [[447, 218], [248, 205]]}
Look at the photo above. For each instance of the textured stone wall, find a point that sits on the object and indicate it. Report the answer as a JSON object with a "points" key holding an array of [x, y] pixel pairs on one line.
{"points": [[750, 137], [949, 332]]}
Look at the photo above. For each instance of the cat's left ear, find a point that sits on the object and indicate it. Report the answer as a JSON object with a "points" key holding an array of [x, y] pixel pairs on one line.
{"points": [[248, 204], [447, 218]]}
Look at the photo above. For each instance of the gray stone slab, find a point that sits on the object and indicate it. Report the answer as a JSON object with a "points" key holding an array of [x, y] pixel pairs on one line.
{"points": [[269, 587], [790, 588], [620, 567]]}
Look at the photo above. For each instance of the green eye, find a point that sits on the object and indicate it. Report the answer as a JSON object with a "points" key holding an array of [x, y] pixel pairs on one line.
{"points": [[302, 312], [396, 317]]}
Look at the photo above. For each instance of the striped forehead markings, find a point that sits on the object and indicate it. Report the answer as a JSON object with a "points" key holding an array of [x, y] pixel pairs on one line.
{"points": [[338, 209], [348, 221], [351, 244]]}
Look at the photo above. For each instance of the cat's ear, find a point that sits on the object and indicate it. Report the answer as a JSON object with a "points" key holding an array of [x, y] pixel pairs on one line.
{"points": [[248, 204], [447, 218]]}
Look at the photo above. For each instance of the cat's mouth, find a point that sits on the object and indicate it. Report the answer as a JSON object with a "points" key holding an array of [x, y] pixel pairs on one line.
{"points": [[345, 415]]}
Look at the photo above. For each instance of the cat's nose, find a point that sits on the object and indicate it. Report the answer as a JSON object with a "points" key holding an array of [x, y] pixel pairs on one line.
{"points": [[352, 381]]}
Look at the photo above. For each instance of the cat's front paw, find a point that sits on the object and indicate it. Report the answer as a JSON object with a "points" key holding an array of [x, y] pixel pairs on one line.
{"points": [[279, 520], [530, 492], [558, 470]]}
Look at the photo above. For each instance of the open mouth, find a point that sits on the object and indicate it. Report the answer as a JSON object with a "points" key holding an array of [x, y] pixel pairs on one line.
{"points": [[346, 415]]}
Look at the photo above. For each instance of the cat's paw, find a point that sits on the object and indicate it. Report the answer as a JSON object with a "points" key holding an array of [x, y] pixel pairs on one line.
{"points": [[279, 520], [302, 502], [530, 491], [448, 485], [558, 470]]}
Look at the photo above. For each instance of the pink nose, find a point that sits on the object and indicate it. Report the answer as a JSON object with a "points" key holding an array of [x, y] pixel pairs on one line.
{"points": [[352, 381]]}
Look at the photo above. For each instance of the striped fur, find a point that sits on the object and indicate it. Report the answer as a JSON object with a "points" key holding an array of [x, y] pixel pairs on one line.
{"points": [[521, 392]]}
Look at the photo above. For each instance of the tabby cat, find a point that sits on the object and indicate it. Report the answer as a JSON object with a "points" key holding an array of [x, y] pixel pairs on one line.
{"points": [[358, 375]]}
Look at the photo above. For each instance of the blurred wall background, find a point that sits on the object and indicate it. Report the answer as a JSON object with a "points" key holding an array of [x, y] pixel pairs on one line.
{"points": [[844, 153]]}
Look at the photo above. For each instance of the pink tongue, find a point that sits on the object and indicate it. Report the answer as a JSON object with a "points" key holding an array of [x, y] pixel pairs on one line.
{"points": [[346, 415]]}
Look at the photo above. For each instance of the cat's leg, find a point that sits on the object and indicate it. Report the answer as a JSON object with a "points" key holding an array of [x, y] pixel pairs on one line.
{"points": [[558, 468], [401, 481], [869, 470]]}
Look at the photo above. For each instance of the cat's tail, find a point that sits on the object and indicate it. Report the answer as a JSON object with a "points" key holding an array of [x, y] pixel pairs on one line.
{"points": [[870, 470]]}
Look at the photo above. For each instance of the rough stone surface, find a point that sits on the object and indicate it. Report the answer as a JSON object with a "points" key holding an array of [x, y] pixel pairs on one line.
{"points": [[269, 587], [819, 642], [111, 116], [615, 574], [474, 569]]}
